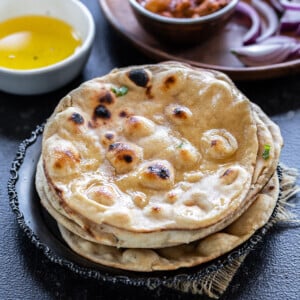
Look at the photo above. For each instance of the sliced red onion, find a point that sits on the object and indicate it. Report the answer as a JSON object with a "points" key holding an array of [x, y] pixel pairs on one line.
{"points": [[269, 49], [250, 12], [271, 17], [277, 5], [296, 53], [295, 5], [279, 39], [265, 54], [290, 20]]}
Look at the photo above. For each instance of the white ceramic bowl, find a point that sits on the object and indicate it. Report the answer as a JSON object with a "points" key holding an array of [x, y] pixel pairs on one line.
{"points": [[46, 79]]}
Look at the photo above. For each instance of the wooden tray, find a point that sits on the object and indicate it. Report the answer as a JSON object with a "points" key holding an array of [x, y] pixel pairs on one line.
{"points": [[213, 53]]}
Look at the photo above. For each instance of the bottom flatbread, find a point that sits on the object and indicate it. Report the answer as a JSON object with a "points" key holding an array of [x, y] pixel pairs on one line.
{"points": [[186, 255]]}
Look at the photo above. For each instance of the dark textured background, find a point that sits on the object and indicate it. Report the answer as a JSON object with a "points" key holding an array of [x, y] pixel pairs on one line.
{"points": [[272, 271]]}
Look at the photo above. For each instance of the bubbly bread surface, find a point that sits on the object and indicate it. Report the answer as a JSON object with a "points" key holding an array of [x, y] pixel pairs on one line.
{"points": [[152, 148], [268, 133], [185, 255]]}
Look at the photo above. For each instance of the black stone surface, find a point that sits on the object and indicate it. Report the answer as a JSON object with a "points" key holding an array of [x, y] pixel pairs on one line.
{"points": [[272, 271]]}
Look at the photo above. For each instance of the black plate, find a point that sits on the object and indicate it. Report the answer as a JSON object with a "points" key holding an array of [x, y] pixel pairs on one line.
{"points": [[41, 229]]}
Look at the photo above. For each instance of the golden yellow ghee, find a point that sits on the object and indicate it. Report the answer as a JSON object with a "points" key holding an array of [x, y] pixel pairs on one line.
{"points": [[32, 41]]}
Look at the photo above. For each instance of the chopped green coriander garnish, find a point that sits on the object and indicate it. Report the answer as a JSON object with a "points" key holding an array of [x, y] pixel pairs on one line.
{"points": [[266, 153], [120, 91], [180, 145]]}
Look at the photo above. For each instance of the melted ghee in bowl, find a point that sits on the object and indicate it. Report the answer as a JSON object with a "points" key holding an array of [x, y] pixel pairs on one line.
{"points": [[31, 42]]}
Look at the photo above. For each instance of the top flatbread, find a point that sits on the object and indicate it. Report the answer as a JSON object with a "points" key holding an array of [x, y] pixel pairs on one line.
{"points": [[268, 134], [177, 151]]}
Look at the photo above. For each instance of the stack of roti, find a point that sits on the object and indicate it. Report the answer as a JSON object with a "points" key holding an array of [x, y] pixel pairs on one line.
{"points": [[158, 167]]}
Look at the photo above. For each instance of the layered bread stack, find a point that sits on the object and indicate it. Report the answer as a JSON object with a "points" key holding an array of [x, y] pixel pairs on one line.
{"points": [[158, 167]]}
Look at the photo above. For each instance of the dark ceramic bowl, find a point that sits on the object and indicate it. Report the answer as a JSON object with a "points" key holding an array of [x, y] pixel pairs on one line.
{"points": [[182, 31]]}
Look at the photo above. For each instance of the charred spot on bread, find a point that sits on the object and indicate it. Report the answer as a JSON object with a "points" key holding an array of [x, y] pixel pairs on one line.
{"points": [[227, 172], [139, 77], [169, 81], [114, 146], [230, 175], [103, 195], [160, 170], [107, 98], [158, 175], [77, 118], [127, 158], [214, 143], [134, 122], [109, 136], [218, 144], [156, 209], [119, 147], [124, 156], [102, 112], [179, 112], [123, 114], [65, 157]]}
